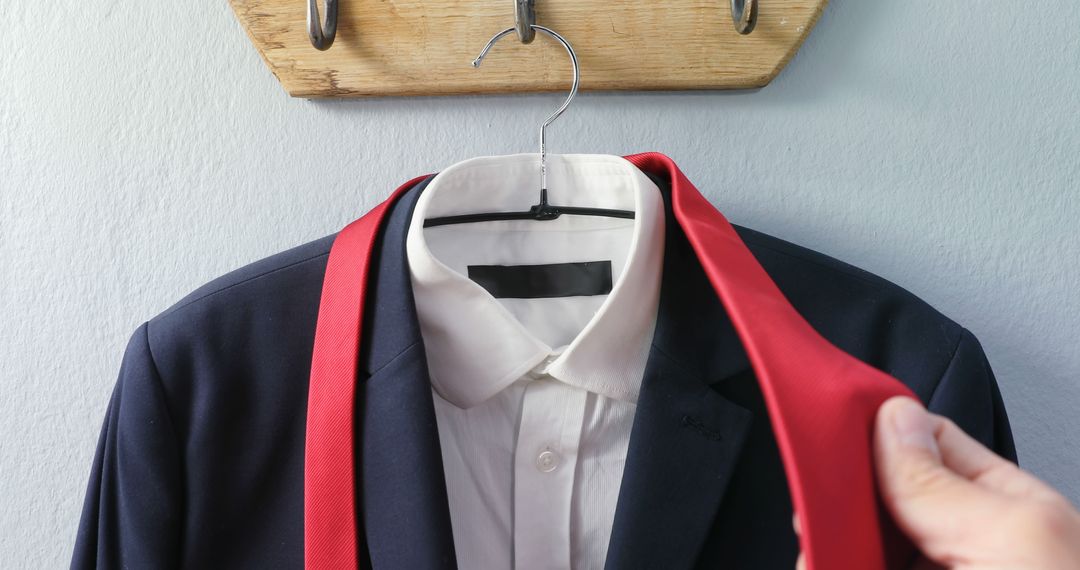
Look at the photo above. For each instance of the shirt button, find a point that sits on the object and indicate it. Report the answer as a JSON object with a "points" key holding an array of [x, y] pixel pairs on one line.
{"points": [[547, 461], [542, 368]]}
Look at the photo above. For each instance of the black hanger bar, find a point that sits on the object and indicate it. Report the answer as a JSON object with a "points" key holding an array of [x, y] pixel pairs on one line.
{"points": [[539, 212]]}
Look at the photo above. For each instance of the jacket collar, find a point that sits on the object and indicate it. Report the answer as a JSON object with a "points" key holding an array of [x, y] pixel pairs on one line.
{"points": [[692, 325], [475, 345]]}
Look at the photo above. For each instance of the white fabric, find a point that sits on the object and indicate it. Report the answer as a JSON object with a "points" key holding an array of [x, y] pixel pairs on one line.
{"points": [[535, 398]]}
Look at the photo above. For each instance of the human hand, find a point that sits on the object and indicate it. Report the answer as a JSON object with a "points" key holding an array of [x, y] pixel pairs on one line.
{"points": [[963, 506]]}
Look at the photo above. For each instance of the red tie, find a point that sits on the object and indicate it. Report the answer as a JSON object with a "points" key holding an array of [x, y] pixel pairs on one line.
{"points": [[821, 400]]}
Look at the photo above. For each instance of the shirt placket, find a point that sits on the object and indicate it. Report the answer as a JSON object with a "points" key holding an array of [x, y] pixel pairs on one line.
{"points": [[545, 459]]}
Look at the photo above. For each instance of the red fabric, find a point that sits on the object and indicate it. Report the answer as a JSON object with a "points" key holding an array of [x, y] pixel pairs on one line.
{"points": [[821, 400], [329, 494]]}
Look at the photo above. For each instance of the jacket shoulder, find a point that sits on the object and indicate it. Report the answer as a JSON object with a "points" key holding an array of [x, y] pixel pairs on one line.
{"points": [[242, 339], [306, 256], [231, 326], [866, 315], [817, 265]]}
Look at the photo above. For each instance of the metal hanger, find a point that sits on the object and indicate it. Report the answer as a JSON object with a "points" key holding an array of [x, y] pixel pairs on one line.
{"points": [[543, 210], [322, 33]]}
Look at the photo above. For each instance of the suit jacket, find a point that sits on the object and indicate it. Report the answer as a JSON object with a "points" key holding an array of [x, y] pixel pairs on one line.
{"points": [[200, 461]]}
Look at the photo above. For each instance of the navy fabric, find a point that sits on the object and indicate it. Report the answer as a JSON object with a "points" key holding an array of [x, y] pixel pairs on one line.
{"points": [[199, 463]]}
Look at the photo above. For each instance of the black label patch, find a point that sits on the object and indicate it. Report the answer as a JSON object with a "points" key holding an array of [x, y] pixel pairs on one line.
{"points": [[544, 281]]}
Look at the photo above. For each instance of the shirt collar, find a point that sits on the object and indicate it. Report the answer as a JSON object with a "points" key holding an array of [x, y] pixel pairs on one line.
{"points": [[474, 346]]}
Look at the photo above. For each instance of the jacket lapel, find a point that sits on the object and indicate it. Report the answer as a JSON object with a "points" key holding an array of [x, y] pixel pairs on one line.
{"points": [[820, 400], [402, 497], [686, 437]]}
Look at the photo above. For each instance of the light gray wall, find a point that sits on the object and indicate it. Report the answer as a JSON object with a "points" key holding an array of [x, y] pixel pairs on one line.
{"points": [[145, 149]]}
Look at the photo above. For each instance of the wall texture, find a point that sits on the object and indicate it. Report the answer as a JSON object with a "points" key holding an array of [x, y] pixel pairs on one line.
{"points": [[145, 149]]}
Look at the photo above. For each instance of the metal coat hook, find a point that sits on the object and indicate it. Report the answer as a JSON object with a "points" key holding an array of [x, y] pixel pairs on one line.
{"points": [[573, 91], [744, 14], [320, 32], [525, 19]]}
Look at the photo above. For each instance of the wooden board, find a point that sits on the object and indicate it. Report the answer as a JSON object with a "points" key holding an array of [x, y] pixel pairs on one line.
{"points": [[398, 47]]}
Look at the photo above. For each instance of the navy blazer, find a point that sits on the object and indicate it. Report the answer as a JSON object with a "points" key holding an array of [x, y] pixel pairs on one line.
{"points": [[200, 461]]}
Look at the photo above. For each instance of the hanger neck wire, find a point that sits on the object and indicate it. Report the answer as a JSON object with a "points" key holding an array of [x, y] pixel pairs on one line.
{"points": [[543, 210]]}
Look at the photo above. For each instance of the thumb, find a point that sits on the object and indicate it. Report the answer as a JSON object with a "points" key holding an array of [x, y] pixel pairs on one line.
{"points": [[931, 503]]}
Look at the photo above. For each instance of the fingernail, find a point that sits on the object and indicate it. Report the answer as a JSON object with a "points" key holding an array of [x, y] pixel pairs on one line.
{"points": [[911, 426]]}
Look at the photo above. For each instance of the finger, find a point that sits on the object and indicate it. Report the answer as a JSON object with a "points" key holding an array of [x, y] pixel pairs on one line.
{"points": [[800, 563], [969, 459], [961, 453], [934, 506]]}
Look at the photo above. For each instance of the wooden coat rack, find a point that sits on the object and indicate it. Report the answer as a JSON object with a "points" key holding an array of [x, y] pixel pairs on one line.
{"points": [[416, 47]]}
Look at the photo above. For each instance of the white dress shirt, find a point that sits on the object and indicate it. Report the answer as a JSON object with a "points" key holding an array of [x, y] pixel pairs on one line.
{"points": [[535, 398]]}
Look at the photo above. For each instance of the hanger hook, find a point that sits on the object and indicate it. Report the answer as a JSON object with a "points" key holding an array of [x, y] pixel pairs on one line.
{"points": [[322, 33], [744, 14], [573, 91]]}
